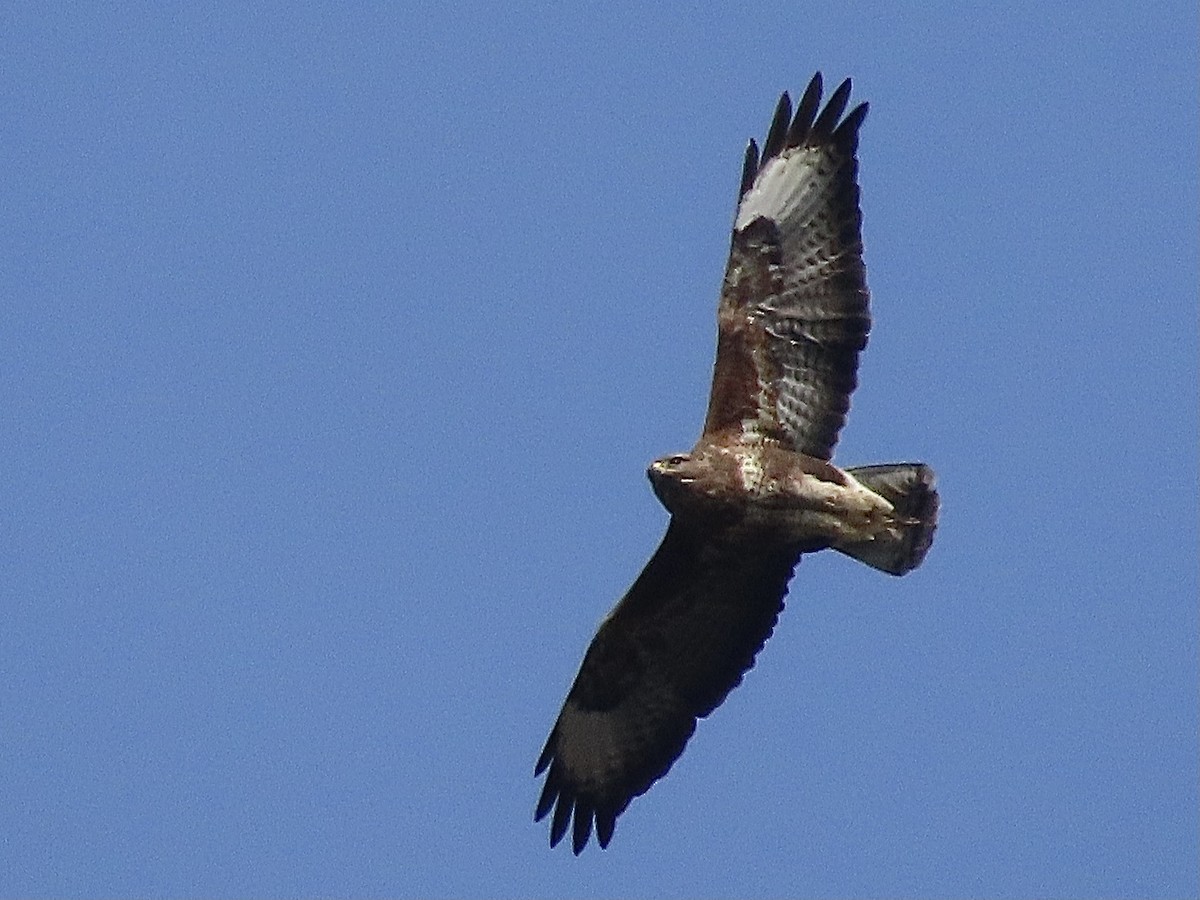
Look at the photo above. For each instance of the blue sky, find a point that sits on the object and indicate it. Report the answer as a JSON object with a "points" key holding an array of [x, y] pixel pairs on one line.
{"points": [[337, 340]]}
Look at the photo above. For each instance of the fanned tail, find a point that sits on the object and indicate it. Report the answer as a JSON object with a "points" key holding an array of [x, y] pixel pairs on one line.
{"points": [[909, 487]]}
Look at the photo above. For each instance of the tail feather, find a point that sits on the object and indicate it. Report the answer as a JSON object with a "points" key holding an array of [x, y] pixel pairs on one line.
{"points": [[909, 487]]}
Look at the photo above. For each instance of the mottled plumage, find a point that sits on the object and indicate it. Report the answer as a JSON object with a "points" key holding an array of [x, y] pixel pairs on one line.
{"points": [[756, 492]]}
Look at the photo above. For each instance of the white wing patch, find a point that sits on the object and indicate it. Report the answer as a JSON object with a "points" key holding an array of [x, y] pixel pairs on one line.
{"points": [[785, 189], [591, 745], [751, 470]]}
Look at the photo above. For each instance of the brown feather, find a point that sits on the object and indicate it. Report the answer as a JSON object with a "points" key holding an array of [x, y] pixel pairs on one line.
{"points": [[794, 313]]}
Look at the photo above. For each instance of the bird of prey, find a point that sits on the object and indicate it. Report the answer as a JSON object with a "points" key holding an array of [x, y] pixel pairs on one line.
{"points": [[756, 492]]}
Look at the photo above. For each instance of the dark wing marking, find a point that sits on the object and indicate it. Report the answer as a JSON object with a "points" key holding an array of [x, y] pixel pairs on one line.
{"points": [[669, 653], [794, 311]]}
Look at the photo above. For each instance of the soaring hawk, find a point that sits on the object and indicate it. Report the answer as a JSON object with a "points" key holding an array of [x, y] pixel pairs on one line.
{"points": [[757, 491]]}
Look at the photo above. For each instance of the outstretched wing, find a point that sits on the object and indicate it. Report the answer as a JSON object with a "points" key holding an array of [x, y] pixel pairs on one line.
{"points": [[794, 308], [669, 653]]}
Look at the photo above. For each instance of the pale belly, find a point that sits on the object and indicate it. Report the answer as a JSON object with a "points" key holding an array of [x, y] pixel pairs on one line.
{"points": [[794, 497]]}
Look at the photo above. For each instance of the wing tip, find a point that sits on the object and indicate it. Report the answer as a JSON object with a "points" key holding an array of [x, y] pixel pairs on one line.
{"points": [[562, 818], [606, 823], [749, 167], [577, 815], [571, 811], [582, 828], [807, 125], [826, 123], [777, 133], [547, 754], [806, 111]]}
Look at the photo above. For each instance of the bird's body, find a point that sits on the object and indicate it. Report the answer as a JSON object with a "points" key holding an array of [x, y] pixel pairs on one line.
{"points": [[794, 498], [757, 491]]}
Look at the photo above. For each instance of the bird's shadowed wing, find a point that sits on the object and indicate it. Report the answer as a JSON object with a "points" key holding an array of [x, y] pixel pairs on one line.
{"points": [[794, 310], [671, 650]]}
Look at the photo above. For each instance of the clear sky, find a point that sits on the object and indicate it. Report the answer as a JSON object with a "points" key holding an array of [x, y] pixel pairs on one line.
{"points": [[336, 340]]}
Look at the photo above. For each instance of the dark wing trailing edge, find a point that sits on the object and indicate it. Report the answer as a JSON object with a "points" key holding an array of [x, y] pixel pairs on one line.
{"points": [[669, 653], [794, 311]]}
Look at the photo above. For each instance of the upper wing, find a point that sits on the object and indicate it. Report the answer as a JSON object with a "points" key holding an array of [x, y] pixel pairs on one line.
{"points": [[670, 652], [794, 305]]}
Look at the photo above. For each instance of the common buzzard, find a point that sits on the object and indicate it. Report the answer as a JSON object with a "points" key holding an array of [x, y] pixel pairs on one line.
{"points": [[756, 492]]}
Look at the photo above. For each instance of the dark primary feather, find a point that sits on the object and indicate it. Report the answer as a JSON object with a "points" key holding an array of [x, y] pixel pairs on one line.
{"points": [[749, 167], [806, 111], [822, 129], [794, 310], [779, 127], [669, 653]]}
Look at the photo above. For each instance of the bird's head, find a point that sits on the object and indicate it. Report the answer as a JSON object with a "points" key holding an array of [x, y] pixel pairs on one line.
{"points": [[671, 477]]}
